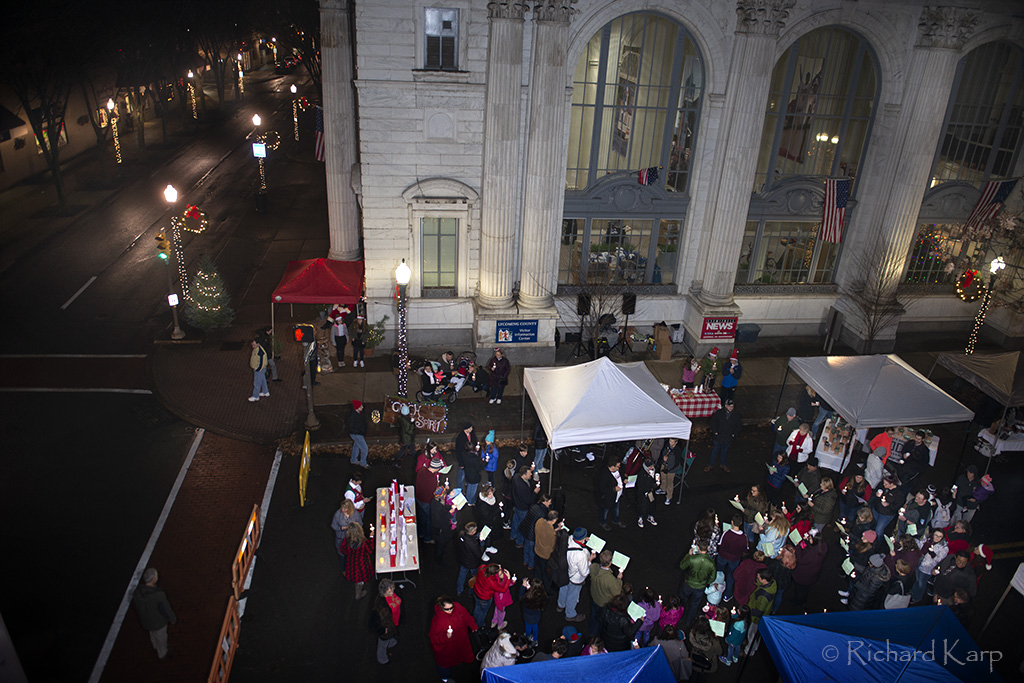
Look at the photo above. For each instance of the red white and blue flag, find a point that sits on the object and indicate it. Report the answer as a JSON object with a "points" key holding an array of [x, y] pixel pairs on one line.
{"points": [[837, 192], [648, 176], [319, 144], [992, 198]]}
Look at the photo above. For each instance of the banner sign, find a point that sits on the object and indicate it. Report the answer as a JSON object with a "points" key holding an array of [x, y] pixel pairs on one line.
{"points": [[718, 328], [432, 417], [516, 331]]}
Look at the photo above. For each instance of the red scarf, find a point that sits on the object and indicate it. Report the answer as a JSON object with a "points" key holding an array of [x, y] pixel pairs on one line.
{"points": [[798, 441]]}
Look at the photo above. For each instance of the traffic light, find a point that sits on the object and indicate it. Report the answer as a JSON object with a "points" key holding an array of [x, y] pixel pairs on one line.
{"points": [[163, 247], [304, 334]]}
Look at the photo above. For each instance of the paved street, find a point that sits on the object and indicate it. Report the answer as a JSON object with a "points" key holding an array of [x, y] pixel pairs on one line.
{"points": [[86, 475]]}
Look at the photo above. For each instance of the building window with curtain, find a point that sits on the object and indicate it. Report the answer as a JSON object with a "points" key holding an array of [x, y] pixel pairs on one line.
{"points": [[981, 138], [823, 95], [441, 39], [439, 257], [636, 98], [824, 92]]}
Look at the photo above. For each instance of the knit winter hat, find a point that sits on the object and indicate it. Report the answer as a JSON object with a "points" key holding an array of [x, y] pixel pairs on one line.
{"points": [[869, 536], [986, 481], [405, 410], [579, 534], [490, 437], [436, 463], [791, 412], [876, 560]]}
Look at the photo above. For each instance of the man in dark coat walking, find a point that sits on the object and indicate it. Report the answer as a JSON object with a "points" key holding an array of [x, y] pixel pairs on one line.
{"points": [[725, 424], [154, 610]]}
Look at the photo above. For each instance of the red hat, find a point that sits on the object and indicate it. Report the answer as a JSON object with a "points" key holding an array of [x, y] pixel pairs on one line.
{"points": [[987, 554], [735, 354], [357, 405], [713, 352]]}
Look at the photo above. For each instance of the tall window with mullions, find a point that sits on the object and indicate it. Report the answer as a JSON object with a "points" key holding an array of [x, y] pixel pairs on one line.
{"points": [[981, 138]]}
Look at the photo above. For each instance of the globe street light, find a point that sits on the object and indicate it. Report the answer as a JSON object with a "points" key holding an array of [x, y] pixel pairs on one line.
{"points": [[192, 95], [994, 267], [402, 275], [295, 111], [113, 127], [171, 195]]}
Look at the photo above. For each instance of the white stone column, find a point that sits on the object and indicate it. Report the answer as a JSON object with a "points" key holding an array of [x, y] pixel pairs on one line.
{"points": [[501, 152], [339, 128], [873, 266], [746, 94], [545, 156]]}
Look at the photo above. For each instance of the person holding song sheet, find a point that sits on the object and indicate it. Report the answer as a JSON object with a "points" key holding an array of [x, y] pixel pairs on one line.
{"points": [[823, 502], [698, 573]]}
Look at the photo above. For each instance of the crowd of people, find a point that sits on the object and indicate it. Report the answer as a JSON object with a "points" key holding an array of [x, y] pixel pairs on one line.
{"points": [[901, 543]]}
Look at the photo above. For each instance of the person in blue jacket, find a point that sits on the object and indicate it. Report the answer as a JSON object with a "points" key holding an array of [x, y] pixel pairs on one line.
{"points": [[731, 376], [777, 478], [490, 457]]}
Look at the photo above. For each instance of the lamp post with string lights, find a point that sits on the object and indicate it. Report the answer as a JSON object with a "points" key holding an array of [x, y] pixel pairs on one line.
{"points": [[402, 276], [996, 265]]}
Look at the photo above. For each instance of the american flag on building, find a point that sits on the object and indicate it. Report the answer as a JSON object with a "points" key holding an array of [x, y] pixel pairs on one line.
{"points": [[648, 176], [992, 198], [319, 144], [837, 192]]}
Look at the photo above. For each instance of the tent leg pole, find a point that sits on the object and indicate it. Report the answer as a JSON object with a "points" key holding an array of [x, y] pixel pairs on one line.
{"points": [[932, 369], [963, 448], [273, 330], [784, 379], [994, 610], [1002, 420]]}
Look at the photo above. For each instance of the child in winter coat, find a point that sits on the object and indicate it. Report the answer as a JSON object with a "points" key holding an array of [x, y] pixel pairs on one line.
{"points": [[652, 612], [490, 457], [737, 631], [671, 611], [714, 592]]}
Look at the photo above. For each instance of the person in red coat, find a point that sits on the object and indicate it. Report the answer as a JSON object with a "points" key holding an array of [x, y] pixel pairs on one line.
{"points": [[743, 577], [449, 636], [358, 558]]}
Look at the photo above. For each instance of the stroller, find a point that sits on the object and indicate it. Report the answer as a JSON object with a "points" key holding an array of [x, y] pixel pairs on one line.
{"points": [[436, 385]]}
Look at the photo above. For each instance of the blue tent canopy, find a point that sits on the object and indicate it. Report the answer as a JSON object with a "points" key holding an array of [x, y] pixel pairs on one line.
{"points": [[913, 645], [646, 665]]}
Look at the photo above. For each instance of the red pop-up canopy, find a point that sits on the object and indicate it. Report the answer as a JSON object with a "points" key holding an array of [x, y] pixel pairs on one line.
{"points": [[320, 281]]}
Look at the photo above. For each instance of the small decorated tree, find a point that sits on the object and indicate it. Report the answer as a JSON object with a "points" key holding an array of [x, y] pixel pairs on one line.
{"points": [[207, 307]]}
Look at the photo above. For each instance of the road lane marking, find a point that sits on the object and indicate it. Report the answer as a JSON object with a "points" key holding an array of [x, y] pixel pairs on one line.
{"points": [[268, 493], [72, 355], [115, 628], [84, 287]]}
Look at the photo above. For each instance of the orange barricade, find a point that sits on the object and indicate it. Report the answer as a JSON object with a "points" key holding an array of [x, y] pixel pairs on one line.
{"points": [[246, 552], [227, 643], [304, 472]]}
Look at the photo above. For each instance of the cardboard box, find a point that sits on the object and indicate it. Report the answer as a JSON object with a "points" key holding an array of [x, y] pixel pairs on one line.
{"points": [[663, 342]]}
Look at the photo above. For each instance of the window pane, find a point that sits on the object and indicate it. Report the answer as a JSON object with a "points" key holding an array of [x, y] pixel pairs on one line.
{"points": [[439, 252], [938, 255], [570, 251], [788, 253], [813, 83], [441, 31], [982, 136], [667, 254], [747, 253], [618, 252]]}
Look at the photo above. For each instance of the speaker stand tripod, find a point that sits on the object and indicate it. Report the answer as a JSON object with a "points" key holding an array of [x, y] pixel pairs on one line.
{"points": [[581, 348], [623, 345]]}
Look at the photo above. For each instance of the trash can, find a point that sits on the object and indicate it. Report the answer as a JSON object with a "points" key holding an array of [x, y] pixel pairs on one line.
{"points": [[747, 333]]}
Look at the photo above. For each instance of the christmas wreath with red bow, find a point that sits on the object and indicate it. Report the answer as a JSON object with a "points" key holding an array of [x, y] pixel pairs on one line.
{"points": [[970, 285]]}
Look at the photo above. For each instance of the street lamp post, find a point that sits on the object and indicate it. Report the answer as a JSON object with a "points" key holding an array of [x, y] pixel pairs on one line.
{"points": [[171, 195], [994, 267], [112, 116], [402, 275], [192, 95], [241, 85], [259, 150], [295, 111]]}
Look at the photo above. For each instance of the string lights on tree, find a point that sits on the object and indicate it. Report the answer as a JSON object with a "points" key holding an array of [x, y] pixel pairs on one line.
{"points": [[192, 95], [209, 306]]}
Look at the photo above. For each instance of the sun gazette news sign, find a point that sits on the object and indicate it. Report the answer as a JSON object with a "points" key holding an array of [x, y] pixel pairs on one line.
{"points": [[718, 328]]}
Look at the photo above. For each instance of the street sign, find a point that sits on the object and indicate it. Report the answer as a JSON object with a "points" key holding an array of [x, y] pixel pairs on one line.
{"points": [[172, 299], [259, 150], [516, 331]]}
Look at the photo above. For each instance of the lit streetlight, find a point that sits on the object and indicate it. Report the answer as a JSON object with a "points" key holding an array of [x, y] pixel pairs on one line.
{"points": [[994, 267], [112, 116], [402, 275], [192, 95], [241, 85], [171, 195], [295, 111]]}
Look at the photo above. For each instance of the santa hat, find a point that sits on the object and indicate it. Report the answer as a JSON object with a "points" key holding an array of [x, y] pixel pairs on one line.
{"points": [[987, 553], [986, 481], [356, 405], [735, 354], [713, 352]]}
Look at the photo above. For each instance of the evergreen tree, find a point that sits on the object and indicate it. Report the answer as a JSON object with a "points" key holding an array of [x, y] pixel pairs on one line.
{"points": [[207, 307]]}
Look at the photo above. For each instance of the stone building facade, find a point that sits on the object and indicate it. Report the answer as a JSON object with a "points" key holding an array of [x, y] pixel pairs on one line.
{"points": [[526, 157]]}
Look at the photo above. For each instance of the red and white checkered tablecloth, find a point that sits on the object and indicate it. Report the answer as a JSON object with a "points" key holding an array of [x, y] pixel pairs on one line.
{"points": [[697, 405]]}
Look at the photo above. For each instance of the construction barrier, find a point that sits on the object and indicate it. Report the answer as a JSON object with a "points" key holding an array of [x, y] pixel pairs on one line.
{"points": [[246, 552], [227, 643], [304, 472]]}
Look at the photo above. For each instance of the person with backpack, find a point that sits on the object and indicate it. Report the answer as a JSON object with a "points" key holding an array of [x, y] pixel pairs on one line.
{"points": [[898, 594]]}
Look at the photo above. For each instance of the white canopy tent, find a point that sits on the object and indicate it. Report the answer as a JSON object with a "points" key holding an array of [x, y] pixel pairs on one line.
{"points": [[602, 401], [878, 391]]}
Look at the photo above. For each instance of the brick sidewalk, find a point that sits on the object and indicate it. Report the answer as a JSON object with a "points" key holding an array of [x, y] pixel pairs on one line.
{"points": [[193, 556]]}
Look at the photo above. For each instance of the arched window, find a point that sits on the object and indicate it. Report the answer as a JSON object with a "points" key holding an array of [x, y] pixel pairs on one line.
{"points": [[823, 96], [636, 95], [981, 137]]}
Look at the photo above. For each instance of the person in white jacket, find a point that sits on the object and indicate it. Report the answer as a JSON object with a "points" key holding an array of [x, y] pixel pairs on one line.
{"points": [[578, 558], [800, 443], [933, 551], [504, 652]]}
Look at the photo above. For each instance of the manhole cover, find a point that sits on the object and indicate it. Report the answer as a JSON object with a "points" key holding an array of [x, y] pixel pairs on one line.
{"points": [[232, 345]]}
